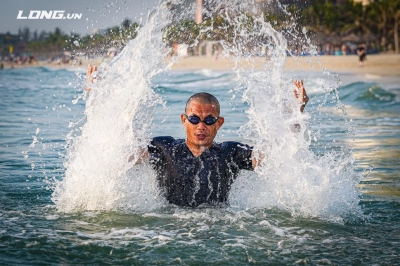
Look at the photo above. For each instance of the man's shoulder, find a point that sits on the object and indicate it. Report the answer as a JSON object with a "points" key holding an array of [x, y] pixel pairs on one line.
{"points": [[239, 152], [164, 145], [234, 145]]}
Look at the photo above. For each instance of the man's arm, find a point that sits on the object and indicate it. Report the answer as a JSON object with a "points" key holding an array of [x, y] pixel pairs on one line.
{"points": [[300, 94], [143, 156], [302, 97], [91, 78], [90, 75]]}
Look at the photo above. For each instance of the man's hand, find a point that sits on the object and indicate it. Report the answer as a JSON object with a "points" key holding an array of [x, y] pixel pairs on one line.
{"points": [[90, 75], [300, 94], [143, 156]]}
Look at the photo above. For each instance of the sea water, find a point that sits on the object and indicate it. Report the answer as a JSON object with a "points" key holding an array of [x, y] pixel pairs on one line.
{"points": [[328, 194]]}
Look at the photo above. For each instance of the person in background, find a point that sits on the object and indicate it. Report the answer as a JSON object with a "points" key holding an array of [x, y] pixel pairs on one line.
{"points": [[362, 54]]}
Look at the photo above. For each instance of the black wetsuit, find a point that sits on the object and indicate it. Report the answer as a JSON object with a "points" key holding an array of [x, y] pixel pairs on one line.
{"points": [[186, 180]]}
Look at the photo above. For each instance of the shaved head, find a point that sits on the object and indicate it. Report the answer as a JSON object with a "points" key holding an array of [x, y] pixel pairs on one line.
{"points": [[203, 98]]}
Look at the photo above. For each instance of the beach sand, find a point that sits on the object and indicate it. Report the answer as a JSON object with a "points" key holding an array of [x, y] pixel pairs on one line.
{"points": [[377, 65]]}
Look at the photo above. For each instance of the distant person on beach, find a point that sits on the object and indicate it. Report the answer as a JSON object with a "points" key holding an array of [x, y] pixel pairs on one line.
{"points": [[31, 59], [197, 170], [362, 54], [344, 49]]}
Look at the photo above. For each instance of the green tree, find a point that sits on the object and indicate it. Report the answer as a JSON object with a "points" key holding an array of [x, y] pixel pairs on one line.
{"points": [[322, 16], [185, 31], [56, 40], [24, 34], [384, 15], [392, 8], [353, 18]]}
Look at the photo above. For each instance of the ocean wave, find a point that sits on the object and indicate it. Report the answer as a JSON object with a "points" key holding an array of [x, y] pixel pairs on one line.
{"points": [[361, 93]]}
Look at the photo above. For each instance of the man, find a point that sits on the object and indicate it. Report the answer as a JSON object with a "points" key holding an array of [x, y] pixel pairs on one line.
{"points": [[197, 170], [362, 54]]}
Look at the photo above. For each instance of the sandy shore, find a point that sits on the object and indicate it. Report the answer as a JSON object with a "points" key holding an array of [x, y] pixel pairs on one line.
{"points": [[380, 65]]}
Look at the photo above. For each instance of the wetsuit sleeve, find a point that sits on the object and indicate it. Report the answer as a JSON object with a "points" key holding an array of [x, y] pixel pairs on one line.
{"points": [[241, 154], [158, 148]]}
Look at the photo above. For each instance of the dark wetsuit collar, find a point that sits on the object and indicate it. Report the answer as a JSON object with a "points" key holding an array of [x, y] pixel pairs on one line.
{"points": [[208, 151]]}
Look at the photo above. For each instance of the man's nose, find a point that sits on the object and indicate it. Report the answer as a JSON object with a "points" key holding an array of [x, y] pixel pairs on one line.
{"points": [[201, 126]]}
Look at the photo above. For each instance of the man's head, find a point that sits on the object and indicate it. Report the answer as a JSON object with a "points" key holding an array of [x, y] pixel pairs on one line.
{"points": [[201, 105], [203, 98]]}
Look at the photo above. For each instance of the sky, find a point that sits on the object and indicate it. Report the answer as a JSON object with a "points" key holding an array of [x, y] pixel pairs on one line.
{"points": [[96, 15]]}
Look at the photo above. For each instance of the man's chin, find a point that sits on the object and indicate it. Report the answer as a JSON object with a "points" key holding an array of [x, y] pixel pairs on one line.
{"points": [[202, 142]]}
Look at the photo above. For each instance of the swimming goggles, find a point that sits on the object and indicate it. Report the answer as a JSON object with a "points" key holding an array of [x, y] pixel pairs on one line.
{"points": [[195, 120]]}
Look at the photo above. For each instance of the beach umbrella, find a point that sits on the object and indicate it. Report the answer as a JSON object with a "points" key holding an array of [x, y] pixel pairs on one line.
{"points": [[369, 37], [319, 37], [334, 39], [352, 38]]}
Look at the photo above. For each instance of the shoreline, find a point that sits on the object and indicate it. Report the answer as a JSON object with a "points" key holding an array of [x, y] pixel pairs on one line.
{"points": [[376, 64]]}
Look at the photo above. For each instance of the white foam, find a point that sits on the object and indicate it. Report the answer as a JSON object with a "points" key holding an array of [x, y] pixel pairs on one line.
{"points": [[118, 117]]}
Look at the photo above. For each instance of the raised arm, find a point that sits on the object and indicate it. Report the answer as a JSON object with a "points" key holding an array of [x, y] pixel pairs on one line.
{"points": [[91, 78], [90, 75], [300, 94], [302, 97]]}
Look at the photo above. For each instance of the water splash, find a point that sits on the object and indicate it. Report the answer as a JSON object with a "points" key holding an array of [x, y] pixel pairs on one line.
{"points": [[118, 117], [120, 110], [291, 176]]}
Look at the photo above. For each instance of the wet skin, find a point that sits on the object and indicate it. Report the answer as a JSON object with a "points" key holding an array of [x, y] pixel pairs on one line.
{"points": [[201, 136]]}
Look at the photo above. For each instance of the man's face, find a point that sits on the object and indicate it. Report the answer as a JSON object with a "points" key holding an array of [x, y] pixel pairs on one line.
{"points": [[201, 134]]}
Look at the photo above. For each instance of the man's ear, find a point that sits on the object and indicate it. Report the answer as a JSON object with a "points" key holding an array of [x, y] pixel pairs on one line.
{"points": [[220, 122], [183, 119]]}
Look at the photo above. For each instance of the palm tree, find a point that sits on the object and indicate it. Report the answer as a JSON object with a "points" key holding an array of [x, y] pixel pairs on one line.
{"points": [[186, 31], [354, 18], [322, 16], [393, 11], [385, 15], [56, 40]]}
